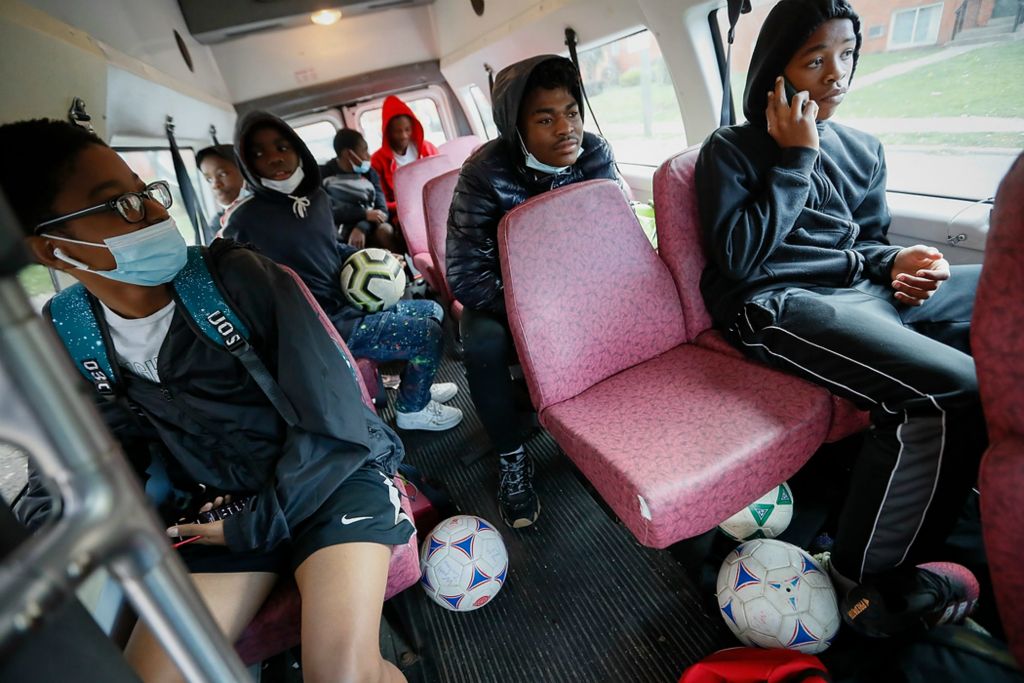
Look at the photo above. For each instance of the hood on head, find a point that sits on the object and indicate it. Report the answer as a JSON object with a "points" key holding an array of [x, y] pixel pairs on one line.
{"points": [[257, 119], [787, 27], [509, 90], [394, 106]]}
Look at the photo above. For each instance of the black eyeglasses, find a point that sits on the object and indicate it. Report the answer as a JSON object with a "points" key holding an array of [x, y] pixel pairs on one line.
{"points": [[131, 206]]}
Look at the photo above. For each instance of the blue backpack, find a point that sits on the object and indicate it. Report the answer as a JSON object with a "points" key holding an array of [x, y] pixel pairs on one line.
{"points": [[209, 314]]}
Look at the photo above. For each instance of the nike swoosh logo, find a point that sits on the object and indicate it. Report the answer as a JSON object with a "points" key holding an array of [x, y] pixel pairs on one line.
{"points": [[345, 519]]}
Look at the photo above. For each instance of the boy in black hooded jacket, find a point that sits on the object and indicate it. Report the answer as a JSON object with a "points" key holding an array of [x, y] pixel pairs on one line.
{"points": [[802, 277], [188, 413], [289, 220], [538, 108]]}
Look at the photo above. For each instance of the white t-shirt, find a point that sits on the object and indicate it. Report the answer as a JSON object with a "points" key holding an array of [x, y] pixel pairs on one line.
{"points": [[137, 341], [411, 155]]}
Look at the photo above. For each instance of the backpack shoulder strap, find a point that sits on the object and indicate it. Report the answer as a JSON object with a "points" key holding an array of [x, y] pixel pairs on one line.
{"points": [[74, 319], [212, 316]]}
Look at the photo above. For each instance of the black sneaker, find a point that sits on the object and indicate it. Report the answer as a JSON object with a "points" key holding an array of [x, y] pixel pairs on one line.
{"points": [[517, 501], [933, 594]]}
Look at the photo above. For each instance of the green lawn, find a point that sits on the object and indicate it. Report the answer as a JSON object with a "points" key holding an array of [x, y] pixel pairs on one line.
{"points": [[617, 104], [36, 280], [984, 82], [870, 63]]}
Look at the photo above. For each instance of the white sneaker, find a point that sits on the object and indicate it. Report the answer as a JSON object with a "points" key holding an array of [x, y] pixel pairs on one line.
{"points": [[442, 392], [434, 418]]}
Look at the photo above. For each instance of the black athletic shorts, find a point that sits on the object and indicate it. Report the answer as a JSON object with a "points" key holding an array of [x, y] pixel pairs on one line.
{"points": [[365, 509]]}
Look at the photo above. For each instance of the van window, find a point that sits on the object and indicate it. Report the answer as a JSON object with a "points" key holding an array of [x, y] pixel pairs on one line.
{"points": [[425, 110], [484, 114], [156, 164], [319, 137], [633, 98], [37, 282], [947, 106]]}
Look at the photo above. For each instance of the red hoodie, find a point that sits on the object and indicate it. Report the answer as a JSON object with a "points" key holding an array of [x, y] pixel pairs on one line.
{"points": [[383, 160]]}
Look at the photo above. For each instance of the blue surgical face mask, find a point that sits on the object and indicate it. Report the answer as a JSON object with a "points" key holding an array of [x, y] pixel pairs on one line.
{"points": [[538, 165], [147, 257], [362, 168]]}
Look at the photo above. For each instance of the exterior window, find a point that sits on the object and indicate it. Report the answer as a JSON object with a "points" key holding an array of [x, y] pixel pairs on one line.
{"points": [[156, 164], [916, 26], [425, 110], [633, 98], [319, 137], [483, 111], [951, 120]]}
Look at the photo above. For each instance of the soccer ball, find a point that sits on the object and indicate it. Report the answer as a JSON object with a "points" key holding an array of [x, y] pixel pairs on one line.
{"points": [[464, 563], [766, 517], [773, 594], [373, 279]]}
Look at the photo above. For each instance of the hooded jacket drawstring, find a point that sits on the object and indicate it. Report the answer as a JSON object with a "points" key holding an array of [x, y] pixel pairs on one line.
{"points": [[299, 205]]}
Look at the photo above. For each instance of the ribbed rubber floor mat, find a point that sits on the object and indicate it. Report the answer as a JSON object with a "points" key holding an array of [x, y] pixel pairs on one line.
{"points": [[584, 601]]}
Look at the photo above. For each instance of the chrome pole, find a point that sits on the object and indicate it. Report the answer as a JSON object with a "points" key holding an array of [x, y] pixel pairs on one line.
{"points": [[102, 517]]}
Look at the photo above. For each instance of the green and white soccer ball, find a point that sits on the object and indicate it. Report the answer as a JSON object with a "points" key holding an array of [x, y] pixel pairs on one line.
{"points": [[373, 280], [766, 517]]}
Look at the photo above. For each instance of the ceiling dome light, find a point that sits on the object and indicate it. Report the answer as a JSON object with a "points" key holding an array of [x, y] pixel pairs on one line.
{"points": [[325, 17]]}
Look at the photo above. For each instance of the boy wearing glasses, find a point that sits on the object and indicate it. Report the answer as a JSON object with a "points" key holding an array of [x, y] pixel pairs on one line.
{"points": [[322, 503]]}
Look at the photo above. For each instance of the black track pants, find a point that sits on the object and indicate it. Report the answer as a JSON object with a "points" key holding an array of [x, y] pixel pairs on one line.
{"points": [[911, 368]]}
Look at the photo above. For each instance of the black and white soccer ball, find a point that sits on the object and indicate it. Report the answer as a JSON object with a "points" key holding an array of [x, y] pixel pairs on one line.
{"points": [[373, 280]]}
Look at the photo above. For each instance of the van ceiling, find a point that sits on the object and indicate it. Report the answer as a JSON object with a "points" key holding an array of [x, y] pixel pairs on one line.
{"points": [[216, 22]]}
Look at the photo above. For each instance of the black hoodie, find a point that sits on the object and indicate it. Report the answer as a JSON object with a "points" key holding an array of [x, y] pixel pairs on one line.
{"points": [[795, 217], [294, 230], [494, 180]]}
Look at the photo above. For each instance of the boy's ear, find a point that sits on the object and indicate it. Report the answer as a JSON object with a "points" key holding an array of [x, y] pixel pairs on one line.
{"points": [[42, 252]]}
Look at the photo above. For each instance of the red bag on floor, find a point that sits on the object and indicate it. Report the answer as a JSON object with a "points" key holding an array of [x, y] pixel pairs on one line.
{"points": [[754, 665]]}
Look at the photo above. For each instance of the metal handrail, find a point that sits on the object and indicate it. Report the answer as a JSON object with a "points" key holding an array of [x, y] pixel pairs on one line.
{"points": [[104, 519]]}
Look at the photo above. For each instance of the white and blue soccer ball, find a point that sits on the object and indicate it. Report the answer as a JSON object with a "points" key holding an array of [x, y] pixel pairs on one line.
{"points": [[773, 594], [373, 279], [766, 517], [463, 563]]}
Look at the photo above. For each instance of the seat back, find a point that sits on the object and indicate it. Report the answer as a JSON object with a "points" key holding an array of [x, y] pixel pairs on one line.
{"points": [[437, 200], [586, 295], [997, 341], [409, 182], [459, 149], [680, 242]]}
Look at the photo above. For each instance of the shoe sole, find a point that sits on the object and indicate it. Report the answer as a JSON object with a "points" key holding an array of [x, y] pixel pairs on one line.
{"points": [[429, 428], [523, 522]]}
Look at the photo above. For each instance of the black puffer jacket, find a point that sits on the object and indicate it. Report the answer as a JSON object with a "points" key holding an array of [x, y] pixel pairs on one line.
{"points": [[493, 181]]}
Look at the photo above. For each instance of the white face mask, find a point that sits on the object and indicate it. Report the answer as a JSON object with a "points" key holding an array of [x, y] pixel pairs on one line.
{"points": [[538, 165], [288, 185]]}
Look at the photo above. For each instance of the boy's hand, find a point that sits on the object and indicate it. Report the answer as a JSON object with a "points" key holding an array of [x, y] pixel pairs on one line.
{"points": [[917, 273], [357, 238], [376, 216], [211, 533], [792, 124]]}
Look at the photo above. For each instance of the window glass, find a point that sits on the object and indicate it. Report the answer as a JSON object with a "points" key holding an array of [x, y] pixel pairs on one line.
{"points": [[633, 98], [319, 137], [156, 164], [948, 107], [484, 112], [37, 283], [425, 110]]}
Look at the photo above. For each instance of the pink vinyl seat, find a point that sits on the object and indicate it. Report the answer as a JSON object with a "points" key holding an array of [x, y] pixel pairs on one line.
{"points": [[680, 246], [675, 437], [276, 627], [997, 340], [409, 182], [459, 149], [437, 199]]}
